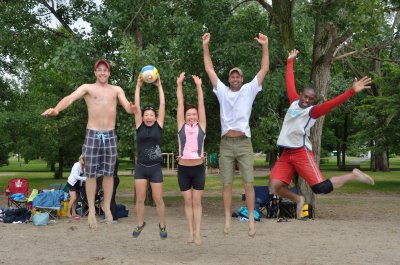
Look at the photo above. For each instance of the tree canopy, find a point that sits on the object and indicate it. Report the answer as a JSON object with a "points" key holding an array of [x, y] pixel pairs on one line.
{"points": [[338, 40]]}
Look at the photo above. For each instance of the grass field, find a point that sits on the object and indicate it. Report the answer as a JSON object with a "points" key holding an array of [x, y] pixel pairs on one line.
{"points": [[40, 176]]}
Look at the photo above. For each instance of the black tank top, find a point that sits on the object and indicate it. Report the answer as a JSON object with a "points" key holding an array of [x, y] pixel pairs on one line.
{"points": [[149, 144]]}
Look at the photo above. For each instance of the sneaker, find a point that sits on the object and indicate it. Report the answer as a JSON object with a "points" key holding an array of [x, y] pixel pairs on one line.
{"points": [[136, 232], [114, 222], [163, 232]]}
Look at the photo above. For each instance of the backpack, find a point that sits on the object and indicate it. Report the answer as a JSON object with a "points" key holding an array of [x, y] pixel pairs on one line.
{"points": [[242, 211], [287, 209]]}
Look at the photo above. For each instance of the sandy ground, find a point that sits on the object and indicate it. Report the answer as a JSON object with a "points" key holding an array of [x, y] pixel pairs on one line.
{"points": [[349, 229]]}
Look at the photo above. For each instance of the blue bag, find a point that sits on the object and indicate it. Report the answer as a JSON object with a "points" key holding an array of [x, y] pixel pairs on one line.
{"points": [[40, 219], [242, 211]]}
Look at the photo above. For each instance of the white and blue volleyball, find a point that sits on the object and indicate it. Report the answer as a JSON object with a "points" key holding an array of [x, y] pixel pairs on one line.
{"points": [[149, 74]]}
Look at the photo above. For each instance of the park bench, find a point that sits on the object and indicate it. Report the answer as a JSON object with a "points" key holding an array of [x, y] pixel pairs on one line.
{"points": [[349, 167]]}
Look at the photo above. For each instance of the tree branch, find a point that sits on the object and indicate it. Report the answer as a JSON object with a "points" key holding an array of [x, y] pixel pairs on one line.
{"points": [[353, 69], [134, 17], [341, 46], [270, 10], [395, 21], [58, 17], [238, 4], [337, 42], [61, 34], [363, 55]]}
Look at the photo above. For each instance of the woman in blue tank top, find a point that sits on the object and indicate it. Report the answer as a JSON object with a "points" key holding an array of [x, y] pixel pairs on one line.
{"points": [[149, 128]]}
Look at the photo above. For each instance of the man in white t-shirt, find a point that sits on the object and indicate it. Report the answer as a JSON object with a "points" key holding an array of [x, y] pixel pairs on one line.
{"points": [[236, 102]]}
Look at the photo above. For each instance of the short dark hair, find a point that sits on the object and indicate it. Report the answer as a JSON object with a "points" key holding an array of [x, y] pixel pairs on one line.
{"points": [[190, 106], [308, 88], [149, 107]]}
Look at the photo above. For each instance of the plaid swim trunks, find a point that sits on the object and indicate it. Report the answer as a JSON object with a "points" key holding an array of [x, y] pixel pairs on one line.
{"points": [[100, 153]]}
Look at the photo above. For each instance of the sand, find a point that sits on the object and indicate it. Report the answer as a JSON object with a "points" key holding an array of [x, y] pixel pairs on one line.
{"points": [[349, 229]]}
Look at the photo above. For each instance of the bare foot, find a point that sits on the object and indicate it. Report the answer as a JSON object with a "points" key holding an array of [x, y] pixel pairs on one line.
{"points": [[227, 229], [109, 218], [92, 221], [362, 177], [190, 238], [300, 205], [197, 240], [252, 229]]}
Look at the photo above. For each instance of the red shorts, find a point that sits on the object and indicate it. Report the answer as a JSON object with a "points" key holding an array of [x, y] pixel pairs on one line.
{"points": [[300, 160]]}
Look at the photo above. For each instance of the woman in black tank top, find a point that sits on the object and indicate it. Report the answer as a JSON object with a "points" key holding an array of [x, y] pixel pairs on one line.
{"points": [[149, 128]]}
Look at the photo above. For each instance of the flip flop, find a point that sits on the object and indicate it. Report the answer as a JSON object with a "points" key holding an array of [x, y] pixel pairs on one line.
{"points": [[280, 220], [76, 217]]}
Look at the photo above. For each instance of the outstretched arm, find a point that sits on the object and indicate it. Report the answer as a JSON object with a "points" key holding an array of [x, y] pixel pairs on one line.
{"points": [[358, 86], [138, 114], [161, 109], [180, 113], [200, 105], [290, 85], [66, 101], [209, 67], [263, 40]]}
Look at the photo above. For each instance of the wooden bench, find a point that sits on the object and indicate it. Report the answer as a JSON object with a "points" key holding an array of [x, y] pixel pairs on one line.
{"points": [[131, 169], [349, 167]]}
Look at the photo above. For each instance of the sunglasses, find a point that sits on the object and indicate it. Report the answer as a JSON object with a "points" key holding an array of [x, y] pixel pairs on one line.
{"points": [[148, 108]]}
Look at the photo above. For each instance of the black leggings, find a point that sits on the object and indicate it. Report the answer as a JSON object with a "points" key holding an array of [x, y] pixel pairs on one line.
{"points": [[191, 176]]}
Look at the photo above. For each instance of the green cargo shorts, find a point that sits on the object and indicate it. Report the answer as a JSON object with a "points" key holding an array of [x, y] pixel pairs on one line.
{"points": [[234, 149]]}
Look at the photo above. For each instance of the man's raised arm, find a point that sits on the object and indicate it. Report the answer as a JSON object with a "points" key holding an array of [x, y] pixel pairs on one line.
{"points": [[208, 65], [263, 40]]}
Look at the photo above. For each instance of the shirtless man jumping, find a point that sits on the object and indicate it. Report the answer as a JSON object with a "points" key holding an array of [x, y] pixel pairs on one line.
{"points": [[100, 147]]}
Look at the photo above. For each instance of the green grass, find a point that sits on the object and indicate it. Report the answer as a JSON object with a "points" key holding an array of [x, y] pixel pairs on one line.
{"points": [[40, 177], [41, 166]]}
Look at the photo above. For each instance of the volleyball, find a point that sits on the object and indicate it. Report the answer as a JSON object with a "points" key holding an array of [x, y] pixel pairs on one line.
{"points": [[149, 74]]}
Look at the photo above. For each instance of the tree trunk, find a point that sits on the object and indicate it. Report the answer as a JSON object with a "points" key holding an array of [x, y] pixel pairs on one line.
{"points": [[381, 158], [344, 142], [321, 75], [272, 157], [325, 42], [281, 12], [338, 161], [59, 173], [284, 10], [372, 159], [381, 161]]}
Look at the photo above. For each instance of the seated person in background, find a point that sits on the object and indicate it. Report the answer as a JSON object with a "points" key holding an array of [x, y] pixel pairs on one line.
{"points": [[73, 185]]}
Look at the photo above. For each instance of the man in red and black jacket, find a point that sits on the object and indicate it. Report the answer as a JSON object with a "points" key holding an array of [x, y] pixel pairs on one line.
{"points": [[297, 155]]}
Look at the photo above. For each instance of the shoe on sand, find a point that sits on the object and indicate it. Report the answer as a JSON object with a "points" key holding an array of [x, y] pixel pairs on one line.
{"points": [[136, 232], [163, 232], [362, 177]]}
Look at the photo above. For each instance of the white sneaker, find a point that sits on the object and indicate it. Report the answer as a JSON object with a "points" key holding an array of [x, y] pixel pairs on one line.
{"points": [[362, 177]]}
